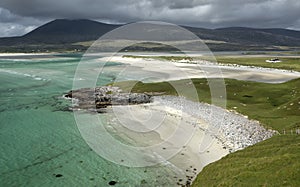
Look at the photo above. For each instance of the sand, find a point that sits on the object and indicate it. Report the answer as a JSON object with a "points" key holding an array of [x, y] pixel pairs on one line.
{"points": [[180, 135], [158, 121], [203, 69], [174, 136]]}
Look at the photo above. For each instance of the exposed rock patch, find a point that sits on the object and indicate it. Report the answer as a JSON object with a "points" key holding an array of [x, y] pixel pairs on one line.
{"points": [[100, 97], [111, 183], [58, 175]]}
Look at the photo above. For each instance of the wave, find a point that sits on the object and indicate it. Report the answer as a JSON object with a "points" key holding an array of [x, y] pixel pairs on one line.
{"points": [[35, 77]]}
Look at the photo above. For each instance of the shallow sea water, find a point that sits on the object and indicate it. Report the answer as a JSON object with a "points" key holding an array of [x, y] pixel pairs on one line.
{"points": [[39, 140]]}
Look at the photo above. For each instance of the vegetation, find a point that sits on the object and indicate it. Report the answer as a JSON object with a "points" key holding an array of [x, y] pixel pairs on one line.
{"points": [[274, 162], [43, 48]]}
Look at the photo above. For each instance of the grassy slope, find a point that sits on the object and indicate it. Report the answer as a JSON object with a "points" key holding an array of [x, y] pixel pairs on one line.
{"points": [[274, 162]]}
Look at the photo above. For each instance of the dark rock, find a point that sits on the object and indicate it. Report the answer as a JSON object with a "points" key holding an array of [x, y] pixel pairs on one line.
{"points": [[99, 98], [58, 175], [69, 94], [112, 183], [188, 183]]}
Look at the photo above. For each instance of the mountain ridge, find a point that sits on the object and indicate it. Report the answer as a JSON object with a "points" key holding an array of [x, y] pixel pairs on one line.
{"points": [[65, 32]]}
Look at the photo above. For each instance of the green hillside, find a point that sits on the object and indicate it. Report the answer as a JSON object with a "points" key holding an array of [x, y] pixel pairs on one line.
{"points": [[274, 162]]}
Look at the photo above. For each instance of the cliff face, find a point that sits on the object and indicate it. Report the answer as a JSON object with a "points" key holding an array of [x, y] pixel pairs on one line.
{"points": [[101, 97]]}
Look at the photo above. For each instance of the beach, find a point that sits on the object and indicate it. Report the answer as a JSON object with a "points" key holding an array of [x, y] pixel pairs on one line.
{"points": [[186, 140], [203, 69]]}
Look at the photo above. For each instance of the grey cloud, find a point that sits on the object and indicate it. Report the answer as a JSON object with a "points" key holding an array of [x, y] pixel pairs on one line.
{"points": [[15, 25], [179, 4], [6, 16], [12, 29], [202, 13]]}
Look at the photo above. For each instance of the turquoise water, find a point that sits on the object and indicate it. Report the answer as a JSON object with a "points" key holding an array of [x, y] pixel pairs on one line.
{"points": [[39, 140]]}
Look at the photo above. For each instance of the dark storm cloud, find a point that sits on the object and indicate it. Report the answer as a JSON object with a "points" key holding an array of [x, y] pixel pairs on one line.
{"points": [[203, 13], [15, 25]]}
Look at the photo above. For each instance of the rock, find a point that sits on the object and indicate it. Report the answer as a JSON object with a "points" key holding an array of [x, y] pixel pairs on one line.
{"points": [[95, 99], [112, 183], [69, 94], [58, 175]]}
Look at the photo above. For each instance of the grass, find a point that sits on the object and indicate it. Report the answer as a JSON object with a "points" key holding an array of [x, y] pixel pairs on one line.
{"points": [[274, 162]]}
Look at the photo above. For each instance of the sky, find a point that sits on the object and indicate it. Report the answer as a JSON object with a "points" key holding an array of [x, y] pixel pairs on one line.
{"points": [[18, 17]]}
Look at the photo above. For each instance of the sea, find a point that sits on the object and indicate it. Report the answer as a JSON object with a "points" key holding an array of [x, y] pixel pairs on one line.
{"points": [[39, 140]]}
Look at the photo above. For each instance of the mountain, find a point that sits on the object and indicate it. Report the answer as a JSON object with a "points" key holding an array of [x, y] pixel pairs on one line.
{"points": [[65, 34], [250, 36], [61, 31], [68, 31]]}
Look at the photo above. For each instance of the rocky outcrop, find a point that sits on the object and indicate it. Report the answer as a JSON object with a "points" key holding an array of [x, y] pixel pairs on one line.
{"points": [[101, 97]]}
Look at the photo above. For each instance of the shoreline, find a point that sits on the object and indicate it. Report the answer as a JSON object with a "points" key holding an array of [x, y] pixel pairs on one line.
{"points": [[211, 137], [205, 69], [27, 54]]}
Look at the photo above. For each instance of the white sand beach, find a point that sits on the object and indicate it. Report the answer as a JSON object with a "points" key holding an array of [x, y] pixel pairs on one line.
{"points": [[186, 141], [204, 69]]}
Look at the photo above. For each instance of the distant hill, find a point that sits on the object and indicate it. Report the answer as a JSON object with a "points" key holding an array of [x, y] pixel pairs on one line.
{"points": [[62, 31], [250, 36], [65, 34]]}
